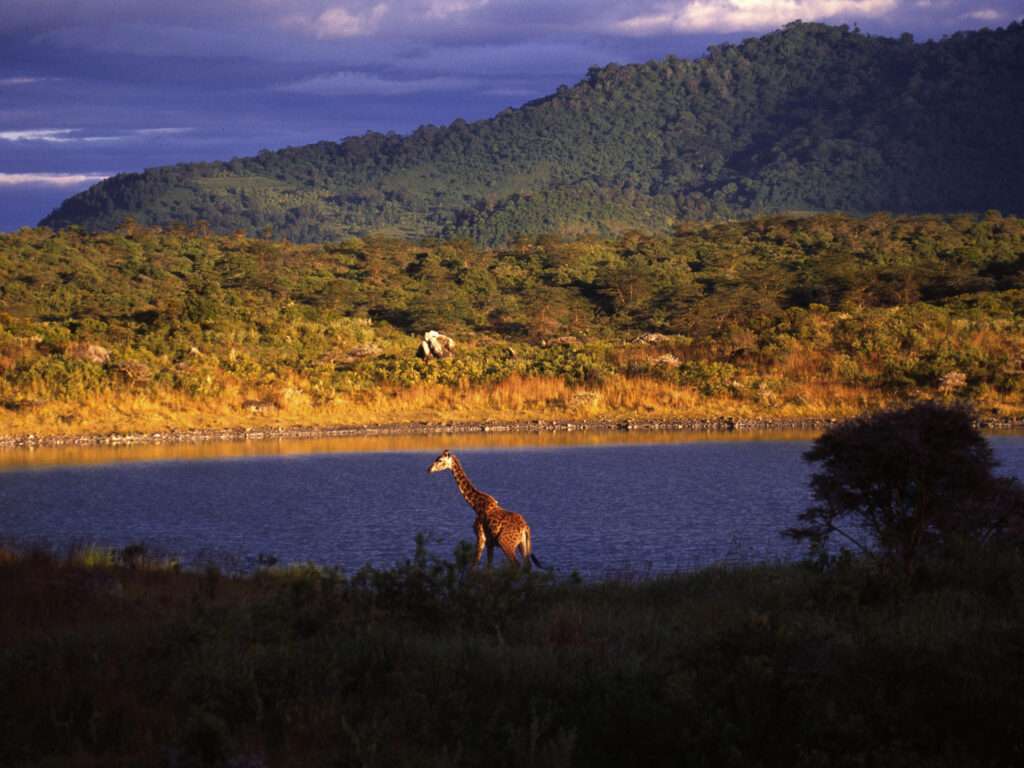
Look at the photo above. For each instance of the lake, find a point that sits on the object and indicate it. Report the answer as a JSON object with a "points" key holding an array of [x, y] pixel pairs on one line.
{"points": [[598, 504]]}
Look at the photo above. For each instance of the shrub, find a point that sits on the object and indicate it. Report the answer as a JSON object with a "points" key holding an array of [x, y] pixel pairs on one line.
{"points": [[709, 378], [911, 481]]}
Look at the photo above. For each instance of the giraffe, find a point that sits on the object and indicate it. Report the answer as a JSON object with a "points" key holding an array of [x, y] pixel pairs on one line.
{"points": [[493, 525]]}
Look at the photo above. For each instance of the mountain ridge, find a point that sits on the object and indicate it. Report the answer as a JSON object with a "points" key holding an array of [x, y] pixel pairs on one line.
{"points": [[809, 117]]}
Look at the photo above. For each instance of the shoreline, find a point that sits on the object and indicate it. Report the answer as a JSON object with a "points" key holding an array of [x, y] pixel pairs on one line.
{"points": [[241, 434]]}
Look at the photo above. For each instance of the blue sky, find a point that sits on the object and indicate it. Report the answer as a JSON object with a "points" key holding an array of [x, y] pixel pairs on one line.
{"points": [[89, 88]]}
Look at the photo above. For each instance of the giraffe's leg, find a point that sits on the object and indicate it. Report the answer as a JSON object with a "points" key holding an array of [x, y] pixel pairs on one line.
{"points": [[481, 541], [510, 553], [508, 545], [490, 553], [524, 542]]}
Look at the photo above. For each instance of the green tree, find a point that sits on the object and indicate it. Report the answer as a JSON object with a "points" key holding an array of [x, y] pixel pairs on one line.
{"points": [[905, 482]]}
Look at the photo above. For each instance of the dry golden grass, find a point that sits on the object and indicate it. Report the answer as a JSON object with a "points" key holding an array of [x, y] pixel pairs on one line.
{"points": [[514, 399]]}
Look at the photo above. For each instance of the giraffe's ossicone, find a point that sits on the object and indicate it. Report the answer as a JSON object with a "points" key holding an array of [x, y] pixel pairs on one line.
{"points": [[494, 525]]}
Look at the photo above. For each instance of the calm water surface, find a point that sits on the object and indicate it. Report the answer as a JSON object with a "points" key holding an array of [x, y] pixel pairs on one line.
{"points": [[653, 505]]}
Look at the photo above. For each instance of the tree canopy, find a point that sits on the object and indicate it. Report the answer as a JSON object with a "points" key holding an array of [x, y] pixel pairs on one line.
{"points": [[906, 482]]}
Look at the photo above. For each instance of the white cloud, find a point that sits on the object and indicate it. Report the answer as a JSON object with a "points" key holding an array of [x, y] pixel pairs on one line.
{"points": [[340, 22], [160, 131], [411, 18], [6, 81], [363, 84], [734, 15], [984, 14], [68, 135], [442, 9], [57, 135], [50, 179]]}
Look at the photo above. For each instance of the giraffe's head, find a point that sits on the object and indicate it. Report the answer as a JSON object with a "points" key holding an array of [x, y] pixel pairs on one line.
{"points": [[442, 462]]}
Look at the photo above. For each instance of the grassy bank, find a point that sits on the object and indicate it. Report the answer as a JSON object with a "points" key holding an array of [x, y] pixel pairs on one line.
{"points": [[117, 661], [515, 399]]}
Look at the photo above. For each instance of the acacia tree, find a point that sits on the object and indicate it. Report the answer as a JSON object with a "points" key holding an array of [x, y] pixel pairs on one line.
{"points": [[902, 482]]}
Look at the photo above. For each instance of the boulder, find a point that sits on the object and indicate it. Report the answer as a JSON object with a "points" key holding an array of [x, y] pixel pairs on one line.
{"points": [[435, 344]]}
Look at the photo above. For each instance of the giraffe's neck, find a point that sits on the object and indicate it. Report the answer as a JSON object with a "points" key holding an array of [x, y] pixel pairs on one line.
{"points": [[478, 500]]}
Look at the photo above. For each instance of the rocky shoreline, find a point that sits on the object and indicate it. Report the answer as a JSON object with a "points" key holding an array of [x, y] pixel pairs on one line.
{"points": [[724, 424]]}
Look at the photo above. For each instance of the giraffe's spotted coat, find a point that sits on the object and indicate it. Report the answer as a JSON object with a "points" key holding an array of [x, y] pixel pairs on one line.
{"points": [[494, 525]]}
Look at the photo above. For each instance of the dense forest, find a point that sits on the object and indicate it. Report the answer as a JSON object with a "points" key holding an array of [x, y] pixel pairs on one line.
{"points": [[782, 315], [808, 118]]}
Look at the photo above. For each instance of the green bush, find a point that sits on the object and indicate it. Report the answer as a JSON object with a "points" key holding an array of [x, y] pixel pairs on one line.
{"points": [[711, 378], [907, 484]]}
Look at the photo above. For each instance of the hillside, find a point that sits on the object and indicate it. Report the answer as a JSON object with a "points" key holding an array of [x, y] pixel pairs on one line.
{"points": [[808, 118], [779, 317]]}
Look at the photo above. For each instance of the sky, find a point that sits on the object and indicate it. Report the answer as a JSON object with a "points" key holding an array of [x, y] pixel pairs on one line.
{"points": [[90, 88]]}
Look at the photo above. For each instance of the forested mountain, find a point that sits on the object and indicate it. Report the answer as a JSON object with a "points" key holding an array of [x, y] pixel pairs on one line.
{"points": [[808, 118]]}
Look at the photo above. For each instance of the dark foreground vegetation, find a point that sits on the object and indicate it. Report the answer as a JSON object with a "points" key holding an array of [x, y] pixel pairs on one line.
{"points": [[783, 316], [808, 118], [134, 663]]}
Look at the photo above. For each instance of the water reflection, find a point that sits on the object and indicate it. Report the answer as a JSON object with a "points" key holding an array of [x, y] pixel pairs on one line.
{"points": [[27, 457]]}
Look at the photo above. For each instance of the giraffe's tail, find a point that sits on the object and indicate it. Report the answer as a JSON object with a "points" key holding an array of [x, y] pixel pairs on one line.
{"points": [[528, 551]]}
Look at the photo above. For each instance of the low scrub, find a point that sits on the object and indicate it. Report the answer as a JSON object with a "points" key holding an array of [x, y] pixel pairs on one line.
{"points": [[428, 664], [149, 329]]}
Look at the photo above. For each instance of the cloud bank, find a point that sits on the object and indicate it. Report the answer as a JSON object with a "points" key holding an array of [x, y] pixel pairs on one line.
{"points": [[50, 179], [496, 19], [985, 14], [744, 15], [361, 84], [55, 135], [71, 135]]}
